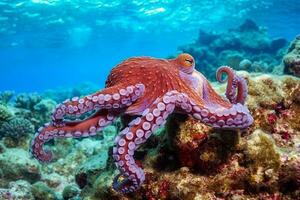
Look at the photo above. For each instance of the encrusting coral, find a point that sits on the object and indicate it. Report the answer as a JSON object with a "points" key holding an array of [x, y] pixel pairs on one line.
{"points": [[264, 162], [289, 175], [291, 60]]}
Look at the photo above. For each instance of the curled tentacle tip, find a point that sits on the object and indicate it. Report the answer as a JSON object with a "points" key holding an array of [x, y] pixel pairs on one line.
{"points": [[43, 157], [220, 71], [119, 185]]}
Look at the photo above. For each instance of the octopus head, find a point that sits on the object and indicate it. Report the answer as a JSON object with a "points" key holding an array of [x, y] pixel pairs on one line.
{"points": [[185, 62]]}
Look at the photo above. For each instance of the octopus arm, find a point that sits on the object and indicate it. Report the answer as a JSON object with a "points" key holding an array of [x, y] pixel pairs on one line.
{"points": [[236, 116], [236, 90], [137, 132], [85, 128], [115, 97]]}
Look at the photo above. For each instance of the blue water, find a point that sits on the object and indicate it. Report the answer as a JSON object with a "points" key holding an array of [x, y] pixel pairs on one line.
{"points": [[50, 43]]}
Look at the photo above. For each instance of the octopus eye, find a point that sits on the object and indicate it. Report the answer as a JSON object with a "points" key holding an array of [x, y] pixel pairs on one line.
{"points": [[190, 61], [186, 61]]}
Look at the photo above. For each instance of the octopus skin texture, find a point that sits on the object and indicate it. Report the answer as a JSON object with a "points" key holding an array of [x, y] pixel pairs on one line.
{"points": [[146, 90]]}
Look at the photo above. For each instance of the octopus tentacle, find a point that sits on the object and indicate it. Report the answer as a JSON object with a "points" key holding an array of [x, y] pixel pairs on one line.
{"points": [[115, 97], [236, 90], [237, 116], [242, 91], [86, 128], [138, 131]]}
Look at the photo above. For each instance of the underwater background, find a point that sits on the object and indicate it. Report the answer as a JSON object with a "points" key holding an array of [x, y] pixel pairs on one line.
{"points": [[52, 50]]}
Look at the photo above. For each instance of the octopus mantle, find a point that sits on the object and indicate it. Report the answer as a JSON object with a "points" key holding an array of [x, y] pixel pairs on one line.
{"points": [[147, 90]]}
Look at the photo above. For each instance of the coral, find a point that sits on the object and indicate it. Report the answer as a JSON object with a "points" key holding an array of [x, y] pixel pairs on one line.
{"points": [[42, 110], [291, 61], [232, 47], [20, 167], [34, 108], [264, 161], [2, 148], [262, 151], [199, 146], [5, 114], [289, 175], [18, 190], [101, 188], [87, 172], [156, 188], [27, 101], [41, 191], [6, 96], [16, 128], [70, 192], [274, 102], [61, 94]]}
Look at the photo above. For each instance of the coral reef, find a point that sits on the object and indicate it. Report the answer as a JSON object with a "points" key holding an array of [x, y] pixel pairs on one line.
{"points": [[20, 190], [6, 96], [41, 191], [291, 61], [34, 108], [184, 160], [20, 167], [247, 47]]}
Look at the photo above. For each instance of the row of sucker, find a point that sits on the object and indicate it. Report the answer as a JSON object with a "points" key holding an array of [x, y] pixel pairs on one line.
{"points": [[110, 98]]}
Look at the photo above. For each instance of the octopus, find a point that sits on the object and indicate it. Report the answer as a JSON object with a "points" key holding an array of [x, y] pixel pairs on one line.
{"points": [[145, 91]]}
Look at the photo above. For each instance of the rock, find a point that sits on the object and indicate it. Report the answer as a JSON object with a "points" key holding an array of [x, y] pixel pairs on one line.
{"points": [[41, 191], [245, 64], [230, 58], [291, 60], [88, 171], [19, 190], [2, 148], [70, 192], [249, 41], [289, 175], [20, 167], [205, 38], [248, 25], [278, 43]]}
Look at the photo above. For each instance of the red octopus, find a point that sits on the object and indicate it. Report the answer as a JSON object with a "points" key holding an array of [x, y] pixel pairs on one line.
{"points": [[147, 90]]}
